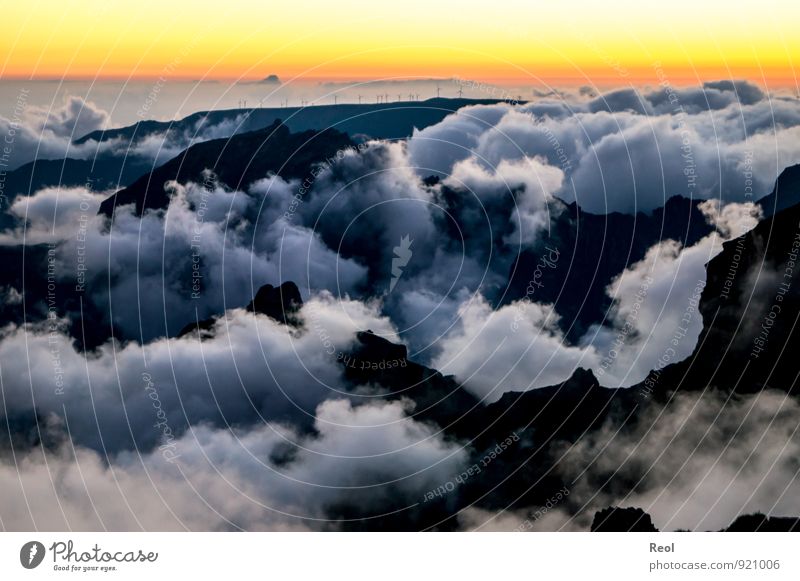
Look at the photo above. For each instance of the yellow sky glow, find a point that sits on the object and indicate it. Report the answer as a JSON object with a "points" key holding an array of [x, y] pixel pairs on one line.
{"points": [[578, 41]]}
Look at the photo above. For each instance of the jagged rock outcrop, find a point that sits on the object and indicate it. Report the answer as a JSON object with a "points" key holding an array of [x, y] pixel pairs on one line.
{"points": [[279, 303]]}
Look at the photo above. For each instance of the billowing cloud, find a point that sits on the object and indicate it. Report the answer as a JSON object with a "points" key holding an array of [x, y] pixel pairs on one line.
{"points": [[631, 151], [39, 132], [654, 321], [696, 464], [266, 478], [129, 395]]}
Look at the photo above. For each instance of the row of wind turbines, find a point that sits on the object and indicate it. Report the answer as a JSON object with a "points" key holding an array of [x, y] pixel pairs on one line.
{"points": [[362, 99]]}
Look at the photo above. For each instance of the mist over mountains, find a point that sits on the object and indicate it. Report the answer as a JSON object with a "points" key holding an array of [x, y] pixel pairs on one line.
{"points": [[433, 315]]}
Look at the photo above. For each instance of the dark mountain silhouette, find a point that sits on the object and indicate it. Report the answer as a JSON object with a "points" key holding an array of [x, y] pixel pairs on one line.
{"points": [[278, 303], [236, 162], [28, 265], [785, 194], [107, 172], [760, 523], [395, 120], [622, 520], [384, 365], [592, 250], [99, 174], [750, 307], [373, 360]]}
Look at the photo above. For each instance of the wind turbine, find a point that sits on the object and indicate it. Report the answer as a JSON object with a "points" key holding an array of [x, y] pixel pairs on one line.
{"points": [[359, 99]]}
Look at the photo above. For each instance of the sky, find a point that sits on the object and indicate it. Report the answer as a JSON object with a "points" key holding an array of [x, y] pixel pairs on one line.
{"points": [[601, 43]]}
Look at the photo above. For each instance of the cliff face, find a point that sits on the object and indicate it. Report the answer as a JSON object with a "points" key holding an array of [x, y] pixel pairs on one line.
{"points": [[592, 250], [750, 308]]}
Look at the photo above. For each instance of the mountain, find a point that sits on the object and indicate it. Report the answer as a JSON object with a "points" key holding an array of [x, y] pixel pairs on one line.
{"points": [[734, 354], [394, 120], [750, 306], [622, 520], [278, 303], [106, 172], [592, 250], [634, 520], [785, 194], [236, 162]]}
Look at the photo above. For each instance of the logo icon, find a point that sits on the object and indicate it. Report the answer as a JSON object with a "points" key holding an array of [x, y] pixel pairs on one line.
{"points": [[31, 554], [402, 254]]}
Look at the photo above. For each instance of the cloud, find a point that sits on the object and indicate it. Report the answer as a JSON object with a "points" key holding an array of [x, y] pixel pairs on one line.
{"points": [[631, 150], [265, 424], [523, 186], [515, 348], [654, 320], [38, 132], [129, 395], [696, 464], [265, 478], [155, 256]]}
